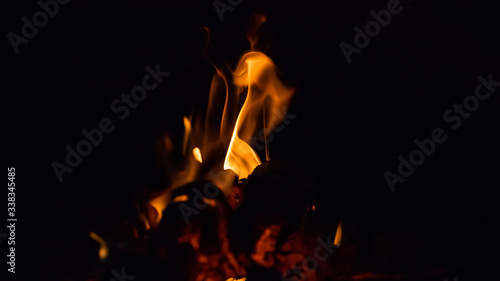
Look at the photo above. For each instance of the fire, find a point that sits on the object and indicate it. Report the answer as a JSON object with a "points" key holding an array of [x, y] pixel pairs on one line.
{"points": [[240, 157], [242, 106], [254, 32], [257, 75], [197, 154], [338, 235], [159, 203], [103, 250], [187, 132], [181, 198]]}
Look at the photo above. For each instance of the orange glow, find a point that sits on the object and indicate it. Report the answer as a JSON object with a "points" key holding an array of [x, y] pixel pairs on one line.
{"points": [[338, 235], [210, 202], [181, 198], [187, 132], [103, 250], [197, 154], [245, 103], [241, 158], [254, 31], [160, 202], [265, 245], [144, 219], [257, 74]]}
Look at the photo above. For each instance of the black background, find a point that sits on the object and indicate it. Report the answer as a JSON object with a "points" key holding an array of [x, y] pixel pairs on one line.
{"points": [[353, 120]]}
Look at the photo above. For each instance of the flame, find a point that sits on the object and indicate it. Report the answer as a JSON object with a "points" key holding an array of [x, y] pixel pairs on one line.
{"points": [[338, 235], [255, 29], [244, 103], [187, 132], [160, 202], [257, 74], [192, 133], [240, 158], [242, 106], [180, 198], [144, 219], [103, 250], [197, 154]]}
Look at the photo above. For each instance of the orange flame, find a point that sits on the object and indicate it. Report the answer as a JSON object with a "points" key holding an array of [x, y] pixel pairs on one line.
{"points": [[159, 203], [197, 154], [254, 31], [187, 132], [338, 235], [103, 250], [257, 74], [240, 108], [236, 113]]}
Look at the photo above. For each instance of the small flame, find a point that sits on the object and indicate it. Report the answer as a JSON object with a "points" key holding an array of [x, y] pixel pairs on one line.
{"points": [[181, 198], [197, 154], [255, 29], [338, 235], [187, 132], [210, 202], [144, 219], [160, 202], [103, 250]]}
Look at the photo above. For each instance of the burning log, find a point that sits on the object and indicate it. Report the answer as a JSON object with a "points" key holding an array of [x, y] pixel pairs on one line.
{"points": [[274, 202], [191, 238]]}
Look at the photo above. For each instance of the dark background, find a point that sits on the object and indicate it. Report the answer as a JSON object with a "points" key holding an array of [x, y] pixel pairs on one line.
{"points": [[353, 120]]}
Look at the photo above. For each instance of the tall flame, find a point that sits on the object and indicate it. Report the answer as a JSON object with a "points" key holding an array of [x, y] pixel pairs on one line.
{"points": [[257, 74], [242, 106]]}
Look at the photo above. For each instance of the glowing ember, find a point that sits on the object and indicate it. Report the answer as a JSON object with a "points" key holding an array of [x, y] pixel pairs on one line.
{"points": [[234, 279], [265, 246]]}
